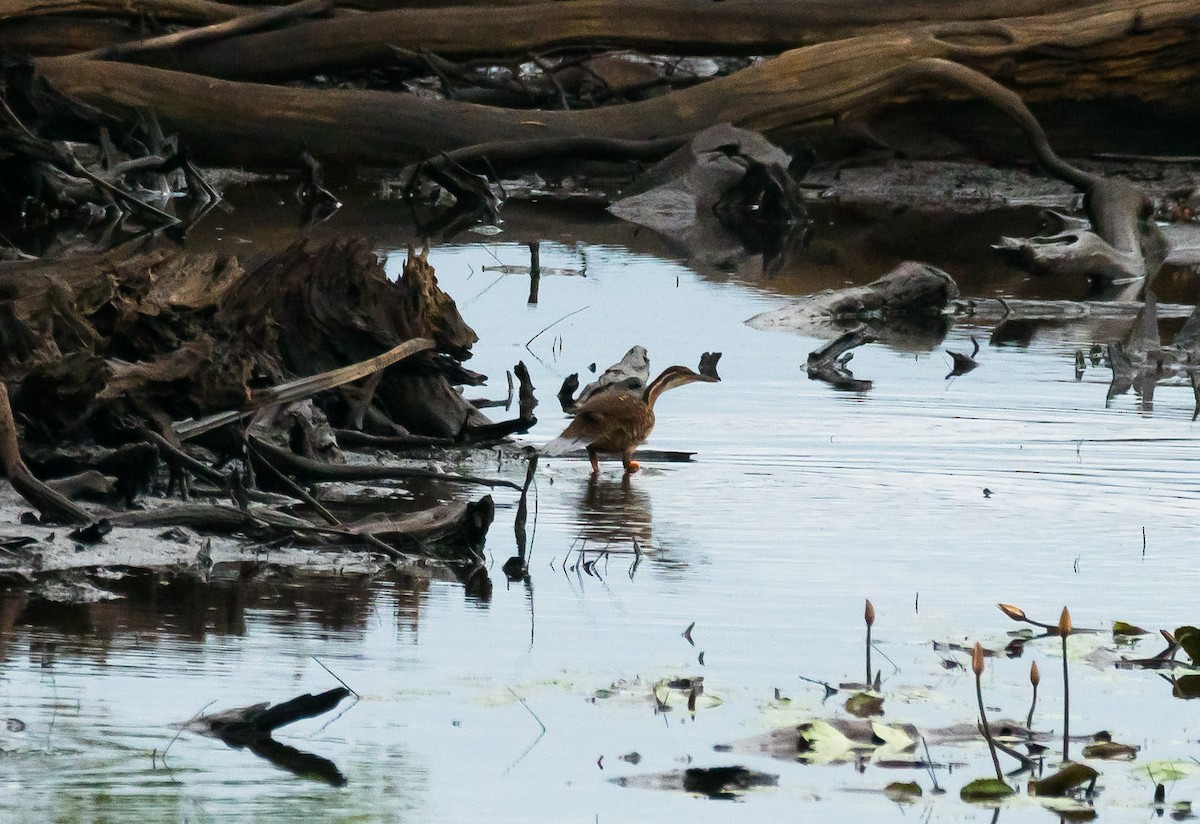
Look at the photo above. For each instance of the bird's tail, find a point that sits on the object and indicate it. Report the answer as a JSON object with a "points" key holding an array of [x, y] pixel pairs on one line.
{"points": [[562, 445]]}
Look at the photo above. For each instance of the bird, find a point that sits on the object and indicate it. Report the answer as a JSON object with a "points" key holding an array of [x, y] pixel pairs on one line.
{"points": [[620, 421]]}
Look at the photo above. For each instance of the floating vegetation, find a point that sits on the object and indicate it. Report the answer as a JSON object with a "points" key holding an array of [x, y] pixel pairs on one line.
{"points": [[864, 741]]}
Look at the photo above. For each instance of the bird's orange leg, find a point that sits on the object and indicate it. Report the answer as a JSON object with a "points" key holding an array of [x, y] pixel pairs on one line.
{"points": [[631, 465], [595, 459]]}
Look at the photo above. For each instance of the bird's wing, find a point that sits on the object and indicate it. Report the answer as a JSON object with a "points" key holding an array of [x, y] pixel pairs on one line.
{"points": [[593, 421]]}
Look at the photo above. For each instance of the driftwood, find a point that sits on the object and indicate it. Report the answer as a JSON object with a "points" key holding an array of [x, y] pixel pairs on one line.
{"points": [[734, 27], [302, 388], [905, 308], [201, 325], [828, 363], [454, 532], [802, 88], [631, 373], [1141, 362], [727, 192], [324, 311], [251, 727], [308, 470], [52, 504]]}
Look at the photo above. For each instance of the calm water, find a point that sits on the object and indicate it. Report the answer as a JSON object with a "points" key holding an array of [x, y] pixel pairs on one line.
{"points": [[801, 502]]}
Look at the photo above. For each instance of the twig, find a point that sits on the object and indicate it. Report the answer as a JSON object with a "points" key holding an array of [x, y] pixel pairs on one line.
{"points": [[335, 675], [528, 749], [556, 323], [929, 766], [183, 727]]}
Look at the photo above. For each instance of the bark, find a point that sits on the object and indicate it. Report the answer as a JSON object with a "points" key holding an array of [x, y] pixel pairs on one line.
{"points": [[1114, 50], [51, 36], [821, 19], [738, 27], [176, 11]]}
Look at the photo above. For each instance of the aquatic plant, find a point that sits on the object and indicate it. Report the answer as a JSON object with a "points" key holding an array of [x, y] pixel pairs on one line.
{"points": [[1064, 629], [984, 788]]}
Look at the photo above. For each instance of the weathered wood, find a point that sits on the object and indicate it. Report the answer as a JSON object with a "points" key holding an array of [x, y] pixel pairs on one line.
{"points": [[56, 36], [454, 532], [745, 27], [308, 470], [180, 11], [243, 23], [911, 290], [1117, 50], [828, 363], [53, 505], [305, 387]]}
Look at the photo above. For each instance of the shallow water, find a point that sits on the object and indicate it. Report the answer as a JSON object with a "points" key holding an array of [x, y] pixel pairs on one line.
{"points": [[800, 502]]}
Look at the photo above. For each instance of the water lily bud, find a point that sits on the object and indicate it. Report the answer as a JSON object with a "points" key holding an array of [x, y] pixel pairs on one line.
{"points": [[1015, 613], [1064, 622], [869, 613], [977, 659], [1035, 677]]}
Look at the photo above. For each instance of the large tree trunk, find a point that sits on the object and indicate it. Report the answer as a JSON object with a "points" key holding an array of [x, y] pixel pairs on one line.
{"points": [[1147, 52], [734, 27]]}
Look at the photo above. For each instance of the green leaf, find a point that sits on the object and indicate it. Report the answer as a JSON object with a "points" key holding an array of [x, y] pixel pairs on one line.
{"points": [[1121, 628], [900, 791], [985, 789], [1070, 776]]}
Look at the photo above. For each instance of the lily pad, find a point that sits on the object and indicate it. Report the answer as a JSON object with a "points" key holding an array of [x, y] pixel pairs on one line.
{"points": [[1167, 771], [985, 789]]}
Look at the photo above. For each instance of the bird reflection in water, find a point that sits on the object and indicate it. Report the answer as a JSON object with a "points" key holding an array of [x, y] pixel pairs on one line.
{"points": [[615, 510]]}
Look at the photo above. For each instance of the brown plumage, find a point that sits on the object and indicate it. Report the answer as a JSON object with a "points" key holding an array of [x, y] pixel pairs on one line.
{"points": [[619, 421]]}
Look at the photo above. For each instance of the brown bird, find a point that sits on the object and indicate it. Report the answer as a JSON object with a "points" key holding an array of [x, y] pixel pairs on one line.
{"points": [[620, 421]]}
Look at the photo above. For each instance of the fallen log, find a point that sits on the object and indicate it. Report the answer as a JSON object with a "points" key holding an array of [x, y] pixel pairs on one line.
{"points": [[734, 27], [455, 532], [251, 727], [175, 11], [905, 307], [307, 470], [1117, 50]]}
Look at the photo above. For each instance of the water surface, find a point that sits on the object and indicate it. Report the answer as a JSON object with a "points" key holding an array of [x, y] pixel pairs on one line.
{"points": [[800, 502]]}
